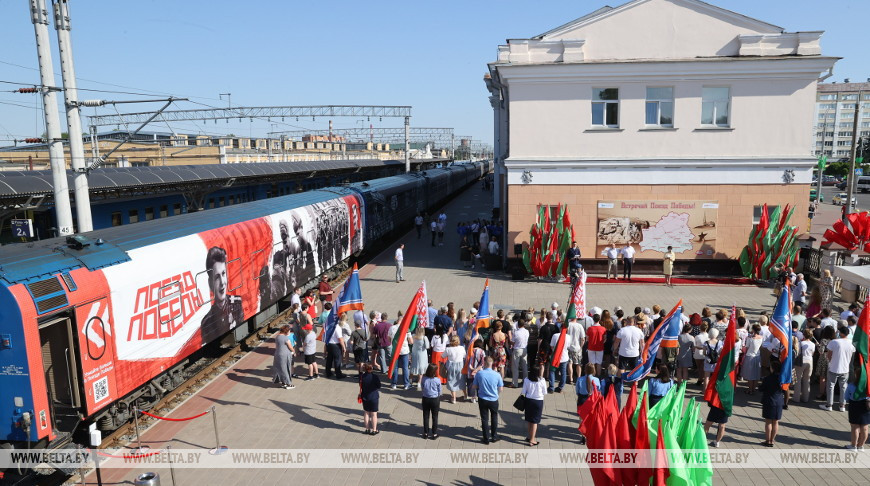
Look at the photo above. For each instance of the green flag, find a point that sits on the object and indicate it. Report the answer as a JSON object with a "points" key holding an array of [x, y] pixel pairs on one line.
{"points": [[823, 161], [702, 472], [680, 475]]}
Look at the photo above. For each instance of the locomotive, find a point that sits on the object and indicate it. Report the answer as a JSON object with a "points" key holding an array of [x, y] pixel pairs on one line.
{"points": [[94, 324]]}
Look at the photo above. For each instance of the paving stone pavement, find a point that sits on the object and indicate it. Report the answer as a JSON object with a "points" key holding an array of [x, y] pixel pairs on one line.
{"points": [[324, 414]]}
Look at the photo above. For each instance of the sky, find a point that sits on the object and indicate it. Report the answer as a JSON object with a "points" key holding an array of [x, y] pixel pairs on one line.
{"points": [[429, 55]]}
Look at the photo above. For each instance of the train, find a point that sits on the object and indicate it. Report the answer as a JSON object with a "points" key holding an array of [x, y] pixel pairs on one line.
{"points": [[94, 324]]}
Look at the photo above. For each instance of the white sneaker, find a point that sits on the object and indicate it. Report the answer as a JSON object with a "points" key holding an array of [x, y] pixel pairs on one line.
{"points": [[850, 447], [860, 449], [393, 387], [824, 407], [714, 444]]}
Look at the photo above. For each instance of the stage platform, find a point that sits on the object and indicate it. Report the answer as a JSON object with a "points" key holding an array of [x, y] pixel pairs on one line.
{"points": [[324, 414]]}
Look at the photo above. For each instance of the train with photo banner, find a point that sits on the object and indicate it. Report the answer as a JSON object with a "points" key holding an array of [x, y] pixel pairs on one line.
{"points": [[95, 324]]}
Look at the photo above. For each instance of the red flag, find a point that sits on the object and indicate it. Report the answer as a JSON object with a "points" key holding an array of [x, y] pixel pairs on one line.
{"points": [[585, 410], [602, 437], [626, 434], [409, 318], [723, 381], [644, 464], [660, 476]]}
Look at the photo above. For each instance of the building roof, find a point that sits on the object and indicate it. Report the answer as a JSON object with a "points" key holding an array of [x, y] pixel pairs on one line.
{"points": [[608, 10], [840, 87]]}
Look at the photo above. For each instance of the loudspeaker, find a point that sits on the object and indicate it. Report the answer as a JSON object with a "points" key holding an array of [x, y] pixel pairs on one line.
{"points": [[518, 249]]}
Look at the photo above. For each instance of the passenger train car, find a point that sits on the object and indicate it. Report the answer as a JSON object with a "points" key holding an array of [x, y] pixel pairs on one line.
{"points": [[94, 324]]}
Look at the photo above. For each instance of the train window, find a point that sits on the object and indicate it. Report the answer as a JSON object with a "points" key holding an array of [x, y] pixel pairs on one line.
{"points": [[168, 293], [203, 281], [259, 272], [164, 211], [116, 219], [234, 274], [221, 202], [232, 200], [134, 216], [211, 203], [149, 214], [176, 209]]}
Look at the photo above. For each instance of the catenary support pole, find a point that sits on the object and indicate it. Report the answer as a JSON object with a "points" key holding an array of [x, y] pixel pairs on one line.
{"points": [[62, 207], [407, 144], [73, 116]]}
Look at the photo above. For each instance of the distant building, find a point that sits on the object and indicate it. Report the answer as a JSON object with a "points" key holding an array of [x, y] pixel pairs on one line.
{"points": [[657, 122], [835, 117]]}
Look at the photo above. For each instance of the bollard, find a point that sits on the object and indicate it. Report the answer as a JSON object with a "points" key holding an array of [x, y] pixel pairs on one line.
{"points": [[139, 449], [218, 448], [171, 469], [147, 479]]}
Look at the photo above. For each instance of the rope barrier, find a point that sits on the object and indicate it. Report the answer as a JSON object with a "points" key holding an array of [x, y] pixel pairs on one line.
{"points": [[129, 456], [175, 419]]}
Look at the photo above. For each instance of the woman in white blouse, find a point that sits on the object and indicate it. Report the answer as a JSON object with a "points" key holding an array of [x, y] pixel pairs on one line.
{"points": [[534, 389], [455, 355]]}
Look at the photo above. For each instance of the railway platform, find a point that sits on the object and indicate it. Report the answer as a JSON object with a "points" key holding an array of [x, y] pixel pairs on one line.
{"points": [[323, 414]]}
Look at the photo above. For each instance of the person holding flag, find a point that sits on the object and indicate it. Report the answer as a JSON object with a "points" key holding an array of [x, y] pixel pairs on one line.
{"points": [[858, 391], [481, 321], [349, 299], [400, 336], [644, 362], [719, 393]]}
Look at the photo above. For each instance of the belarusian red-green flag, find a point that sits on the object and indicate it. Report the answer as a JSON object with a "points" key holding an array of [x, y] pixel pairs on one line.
{"points": [[861, 340], [408, 324], [720, 388]]}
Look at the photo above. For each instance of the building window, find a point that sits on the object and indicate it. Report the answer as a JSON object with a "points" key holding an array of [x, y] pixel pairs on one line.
{"points": [[164, 211], [842, 143], [134, 216], [847, 115], [827, 97], [149, 214], [866, 96], [116, 219], [848, 106], [849, 97], [827, 106], [846, 125], [660, 106], [756, 213], [845, 134], [715, 104], [605, 107], [176, 209]]}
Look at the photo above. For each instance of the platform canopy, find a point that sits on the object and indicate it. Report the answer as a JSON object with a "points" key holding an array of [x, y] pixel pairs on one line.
{"points": [[858, 275]]}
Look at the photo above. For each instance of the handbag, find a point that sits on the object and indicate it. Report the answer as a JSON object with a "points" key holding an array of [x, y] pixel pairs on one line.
{"points": [[520, 403]]}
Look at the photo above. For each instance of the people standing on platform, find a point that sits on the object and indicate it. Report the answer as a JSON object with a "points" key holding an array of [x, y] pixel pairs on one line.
{"points": [[660, 385], [772, 403], [595, 340], [465, 252], [612, 254], [335, 349], [461, 326], [443, 319], [859, 412], [431, 387], [359, 340], [827, 335], [573, 258], [283, 362], [712, 349], [804, 368], [475, 364], [400, 263], [574, 341], [668, 269], [324, 290], [442, 223], [296, 297], [308, 305], [439, 343], [839, 353], [493, 248], [562, 369], [716, 416], [475, 231], [455, 356], [418, 224], [627, 344], [402, 361], [483, 240], [419, 355], [584, 387], [534, 389], [320, 322], [685, 353], [520, 353], [497, 346], [612, 383], [799, 295], [433, 230], [369, 395], [382, 333], [627, 261], [700, 341], [488, 385], [827, 289], [751, 369], [310, 351]]}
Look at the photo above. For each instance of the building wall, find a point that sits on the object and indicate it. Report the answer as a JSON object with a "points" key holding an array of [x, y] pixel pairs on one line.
{"points": [[735, 213], [771, 115]]}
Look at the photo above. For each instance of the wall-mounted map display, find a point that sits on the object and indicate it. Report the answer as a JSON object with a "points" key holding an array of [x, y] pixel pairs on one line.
{"points": [[651, 226]]}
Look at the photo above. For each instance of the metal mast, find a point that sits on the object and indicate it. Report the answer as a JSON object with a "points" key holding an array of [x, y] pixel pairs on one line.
{"points": [[39, 17], [73, 117]]}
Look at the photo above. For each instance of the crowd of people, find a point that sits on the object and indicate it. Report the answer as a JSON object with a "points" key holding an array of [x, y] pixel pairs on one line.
{"points": [[599, 348]]}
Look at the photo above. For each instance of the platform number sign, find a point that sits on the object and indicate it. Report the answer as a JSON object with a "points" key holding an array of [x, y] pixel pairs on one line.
{"points": [[22, 228]]}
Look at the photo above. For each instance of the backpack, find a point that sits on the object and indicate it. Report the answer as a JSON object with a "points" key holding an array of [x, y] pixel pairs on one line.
{"points": [[712, 354]]}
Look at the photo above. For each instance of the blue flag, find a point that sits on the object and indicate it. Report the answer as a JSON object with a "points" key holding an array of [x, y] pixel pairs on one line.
{"points": [[651, 348], [351, 295], [780, 328]]}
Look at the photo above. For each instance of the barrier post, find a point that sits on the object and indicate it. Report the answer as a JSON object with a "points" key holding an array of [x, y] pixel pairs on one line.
{"points": [[139, 449], [218, 449], [171, 469]]}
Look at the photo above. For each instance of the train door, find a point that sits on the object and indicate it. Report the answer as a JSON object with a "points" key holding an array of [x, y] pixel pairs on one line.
{"points": [[57, 341]]}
